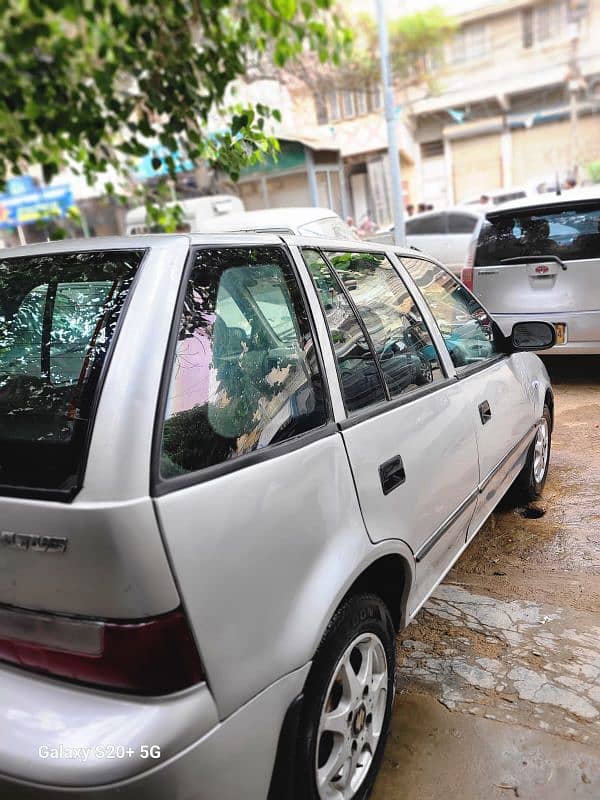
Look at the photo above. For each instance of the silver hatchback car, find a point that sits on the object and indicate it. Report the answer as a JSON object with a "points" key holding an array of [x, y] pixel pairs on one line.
{"points": [[232, 468], [539, 258]]}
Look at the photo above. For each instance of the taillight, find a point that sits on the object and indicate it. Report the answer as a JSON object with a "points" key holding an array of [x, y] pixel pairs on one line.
{"points": [[154, 656], [466, 276]]}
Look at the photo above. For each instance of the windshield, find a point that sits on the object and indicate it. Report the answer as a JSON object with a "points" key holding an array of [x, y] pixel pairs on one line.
{"points": [[329, 227], [570, 232], [58, 314]]}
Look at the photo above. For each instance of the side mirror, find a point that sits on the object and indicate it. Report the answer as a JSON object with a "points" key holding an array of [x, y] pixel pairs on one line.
{"points": [[532, 336]]}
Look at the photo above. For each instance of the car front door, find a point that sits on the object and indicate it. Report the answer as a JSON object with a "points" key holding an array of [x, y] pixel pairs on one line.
{"points": [[409, 437], [494, 384]]}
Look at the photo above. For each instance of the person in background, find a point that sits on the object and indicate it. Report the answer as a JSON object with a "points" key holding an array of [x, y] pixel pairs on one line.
{"points": [[410, 210], [484, 200], [366, 227], [429, 207], [421, 207]]}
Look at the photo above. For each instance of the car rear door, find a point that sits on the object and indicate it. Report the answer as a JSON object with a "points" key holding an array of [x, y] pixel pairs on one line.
{"points": [[409, 437], [540, 260], [494, 385], [253, 488]]}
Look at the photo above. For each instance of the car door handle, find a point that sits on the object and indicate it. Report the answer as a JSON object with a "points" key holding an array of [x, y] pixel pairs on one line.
{"points": [[392, 474], [485, 412]]}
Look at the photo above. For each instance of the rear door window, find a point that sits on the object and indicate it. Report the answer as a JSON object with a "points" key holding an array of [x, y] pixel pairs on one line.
{"points": [[571, 232], [58, 315], [461, 223], [432, 224], [404, 349], [360, 378], [245, 374]]}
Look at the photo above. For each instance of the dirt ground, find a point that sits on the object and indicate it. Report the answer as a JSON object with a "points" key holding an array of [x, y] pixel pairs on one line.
{"points": [[499, 675]]}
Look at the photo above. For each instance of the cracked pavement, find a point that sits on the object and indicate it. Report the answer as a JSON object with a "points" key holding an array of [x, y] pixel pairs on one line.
{"points": [[499, 675]]}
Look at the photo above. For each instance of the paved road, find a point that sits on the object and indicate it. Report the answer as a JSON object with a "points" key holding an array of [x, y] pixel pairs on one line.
{"points": [[499, 675]]}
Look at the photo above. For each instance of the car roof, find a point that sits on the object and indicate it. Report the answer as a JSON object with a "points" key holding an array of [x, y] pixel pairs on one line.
{"points": [[267, 219], [548, 199], [165, 240], [451, 210]]}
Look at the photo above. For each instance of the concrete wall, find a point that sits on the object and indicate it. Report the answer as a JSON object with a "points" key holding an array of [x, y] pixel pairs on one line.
{"points": [[283, 190], [542, 149], [476, 165]]}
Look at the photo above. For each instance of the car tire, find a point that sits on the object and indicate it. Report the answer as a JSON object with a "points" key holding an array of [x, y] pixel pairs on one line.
{"points": [[348, 702], [530, 482]]}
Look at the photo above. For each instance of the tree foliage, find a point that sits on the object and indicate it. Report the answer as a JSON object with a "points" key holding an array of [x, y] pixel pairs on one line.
{"points": [[98, 83], [415, 41]]}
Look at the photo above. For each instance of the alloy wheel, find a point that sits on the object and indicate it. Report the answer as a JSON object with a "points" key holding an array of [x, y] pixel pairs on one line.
{"points": [[351, 719]]}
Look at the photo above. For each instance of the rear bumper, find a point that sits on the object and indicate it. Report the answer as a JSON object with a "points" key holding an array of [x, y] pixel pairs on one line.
{"points": [[201, 758], [583, 330]]}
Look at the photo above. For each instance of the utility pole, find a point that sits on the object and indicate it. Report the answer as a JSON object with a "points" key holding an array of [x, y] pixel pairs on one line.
{"points": [[576, 10], [390, 118]]}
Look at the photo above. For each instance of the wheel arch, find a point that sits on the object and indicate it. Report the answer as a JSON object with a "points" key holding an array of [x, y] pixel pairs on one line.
{"points": [[390, 577]]}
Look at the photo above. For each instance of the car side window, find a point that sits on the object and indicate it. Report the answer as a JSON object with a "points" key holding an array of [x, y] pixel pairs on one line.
{"points": [[461, 223], [467, 329], [60, 355], [407, 356], [245, 373], [427, 225], [359, 375]]}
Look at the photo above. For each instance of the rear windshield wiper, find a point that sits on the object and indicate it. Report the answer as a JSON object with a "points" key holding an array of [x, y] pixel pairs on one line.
{"points": [[534, 260]]}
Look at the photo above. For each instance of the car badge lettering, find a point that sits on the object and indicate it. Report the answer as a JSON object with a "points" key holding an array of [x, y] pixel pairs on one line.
{"points": [[32, 541], [541, 269]]}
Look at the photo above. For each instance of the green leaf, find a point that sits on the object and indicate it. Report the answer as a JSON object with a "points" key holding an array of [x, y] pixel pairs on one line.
{"points": [[287, 8]]}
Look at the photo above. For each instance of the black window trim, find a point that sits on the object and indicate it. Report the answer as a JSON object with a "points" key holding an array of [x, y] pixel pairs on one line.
{"points": [[390, 403], [159, 485], [477, 366], [68, 495]]}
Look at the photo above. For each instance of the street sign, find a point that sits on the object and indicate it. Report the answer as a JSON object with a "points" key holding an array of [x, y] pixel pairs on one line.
{"points": [[34, 206]]}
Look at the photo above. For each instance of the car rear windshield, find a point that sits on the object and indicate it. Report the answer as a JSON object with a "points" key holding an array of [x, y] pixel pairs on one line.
{"points": [[58, 314], [571, 232]]}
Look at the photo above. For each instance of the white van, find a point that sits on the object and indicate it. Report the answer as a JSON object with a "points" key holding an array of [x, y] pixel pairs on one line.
{"points": [[196, 211]]}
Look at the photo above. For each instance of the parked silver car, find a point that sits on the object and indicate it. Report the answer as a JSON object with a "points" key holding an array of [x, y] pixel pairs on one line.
{"points": [[232, 468], [444, 235], [540, 259]]}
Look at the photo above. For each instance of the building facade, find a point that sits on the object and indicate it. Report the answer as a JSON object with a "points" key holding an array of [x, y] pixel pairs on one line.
{"points": [[519, 100], [515, 103]]}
